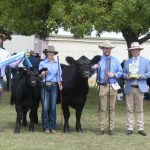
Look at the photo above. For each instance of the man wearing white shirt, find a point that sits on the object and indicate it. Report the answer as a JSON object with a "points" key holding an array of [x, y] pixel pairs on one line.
{"points": [[136, 71], [3, 54]]}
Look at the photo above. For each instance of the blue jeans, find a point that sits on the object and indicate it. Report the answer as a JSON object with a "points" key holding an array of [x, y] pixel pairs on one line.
{"points": [[1, 87], [49, 98]]}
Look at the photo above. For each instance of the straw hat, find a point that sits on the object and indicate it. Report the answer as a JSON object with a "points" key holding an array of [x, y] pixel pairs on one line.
{"points": [[106, 44], [50, 49], [135, 45]]}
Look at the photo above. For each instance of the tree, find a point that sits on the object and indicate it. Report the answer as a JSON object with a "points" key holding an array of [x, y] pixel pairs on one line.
{"points": [[80, 17], [131, 17], [25, 17]]}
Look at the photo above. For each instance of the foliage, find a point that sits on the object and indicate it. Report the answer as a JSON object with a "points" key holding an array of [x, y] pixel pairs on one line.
{"points": [[80, 17], [25, 17], [131, 17]]}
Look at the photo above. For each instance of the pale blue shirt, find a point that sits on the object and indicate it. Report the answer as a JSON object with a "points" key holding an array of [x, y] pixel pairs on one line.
{"points": [[53, 74], [135, 60], [115, 68], [4, 54]]}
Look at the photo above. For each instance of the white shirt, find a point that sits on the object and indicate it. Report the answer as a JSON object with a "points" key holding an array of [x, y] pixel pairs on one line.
{"points": [[135, 60], [3, 54]]}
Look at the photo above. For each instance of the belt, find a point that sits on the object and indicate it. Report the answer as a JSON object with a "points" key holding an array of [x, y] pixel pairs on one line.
{"points": [[48, 83], [135, 86], [104, 84]]}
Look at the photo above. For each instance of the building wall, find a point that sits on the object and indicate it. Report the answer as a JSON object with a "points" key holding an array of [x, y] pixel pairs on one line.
{"points": [[68, 46], [87, 47], [19, 43]]}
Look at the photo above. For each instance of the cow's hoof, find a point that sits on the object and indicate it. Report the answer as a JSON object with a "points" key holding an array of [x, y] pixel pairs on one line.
{"points": [[66, 131], [31, 129], [16, 131], [79, 130]]}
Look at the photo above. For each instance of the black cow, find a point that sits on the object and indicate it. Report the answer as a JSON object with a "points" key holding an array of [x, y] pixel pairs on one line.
{"points": [[25, 95], [75, 87]]}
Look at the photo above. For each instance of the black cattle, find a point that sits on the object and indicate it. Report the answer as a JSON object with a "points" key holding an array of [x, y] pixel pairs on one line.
{"points": [[75, 87], [25, 95], [8, 72]]}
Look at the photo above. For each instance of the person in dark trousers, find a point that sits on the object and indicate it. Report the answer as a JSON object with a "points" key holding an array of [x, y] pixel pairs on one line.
{"points": [[51, 81]]}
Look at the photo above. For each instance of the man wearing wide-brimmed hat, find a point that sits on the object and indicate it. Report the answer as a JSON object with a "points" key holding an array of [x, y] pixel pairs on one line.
{"points": [[136, 71], [51, 81], [109, 70]]}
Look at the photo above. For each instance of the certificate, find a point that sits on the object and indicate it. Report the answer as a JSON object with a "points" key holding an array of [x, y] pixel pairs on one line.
{"points": [[115, 86], [133, 70]]}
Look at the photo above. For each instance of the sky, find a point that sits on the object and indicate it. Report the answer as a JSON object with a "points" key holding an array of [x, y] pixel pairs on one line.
{"points": [[104, 34]]}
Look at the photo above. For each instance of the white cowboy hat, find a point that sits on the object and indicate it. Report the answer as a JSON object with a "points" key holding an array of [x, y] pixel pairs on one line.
{"points": [[106, 44], [135, 45], [50, 49]]}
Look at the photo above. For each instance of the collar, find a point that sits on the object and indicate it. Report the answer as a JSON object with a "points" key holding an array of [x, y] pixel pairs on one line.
{"points": [[138, 57], [106, 57], [46, 60]]}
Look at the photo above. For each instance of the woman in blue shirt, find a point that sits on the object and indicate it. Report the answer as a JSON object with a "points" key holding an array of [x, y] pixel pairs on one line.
{"points": [[51, 79]]}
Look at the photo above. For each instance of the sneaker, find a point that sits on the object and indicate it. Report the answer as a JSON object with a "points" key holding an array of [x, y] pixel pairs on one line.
{"points": [[53, 131], [100, 132], [141, 132], [111, 132], [129, 132], [47, 131]]}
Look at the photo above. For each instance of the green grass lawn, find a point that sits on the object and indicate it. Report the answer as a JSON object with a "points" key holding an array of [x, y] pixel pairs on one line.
{"points": [[88, 140]]}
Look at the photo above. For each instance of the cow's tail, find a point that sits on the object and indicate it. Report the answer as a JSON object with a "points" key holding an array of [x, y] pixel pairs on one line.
{"points": [[11, 100]]}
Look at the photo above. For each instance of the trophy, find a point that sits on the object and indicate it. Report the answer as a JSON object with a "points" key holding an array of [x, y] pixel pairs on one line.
{"points": [[133, 71]]}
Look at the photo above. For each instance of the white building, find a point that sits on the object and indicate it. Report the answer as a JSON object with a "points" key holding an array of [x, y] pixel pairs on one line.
{"points": [[68, 46]]}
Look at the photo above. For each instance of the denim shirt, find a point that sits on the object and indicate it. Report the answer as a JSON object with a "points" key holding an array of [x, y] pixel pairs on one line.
{"points": [[53, 74], [115, 68]]}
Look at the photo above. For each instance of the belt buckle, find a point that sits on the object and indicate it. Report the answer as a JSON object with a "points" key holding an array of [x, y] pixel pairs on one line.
{"points": [[49, 83]]}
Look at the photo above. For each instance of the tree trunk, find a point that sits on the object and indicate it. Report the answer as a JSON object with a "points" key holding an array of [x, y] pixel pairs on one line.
{"points": [[130, 37], [1, 43]]}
